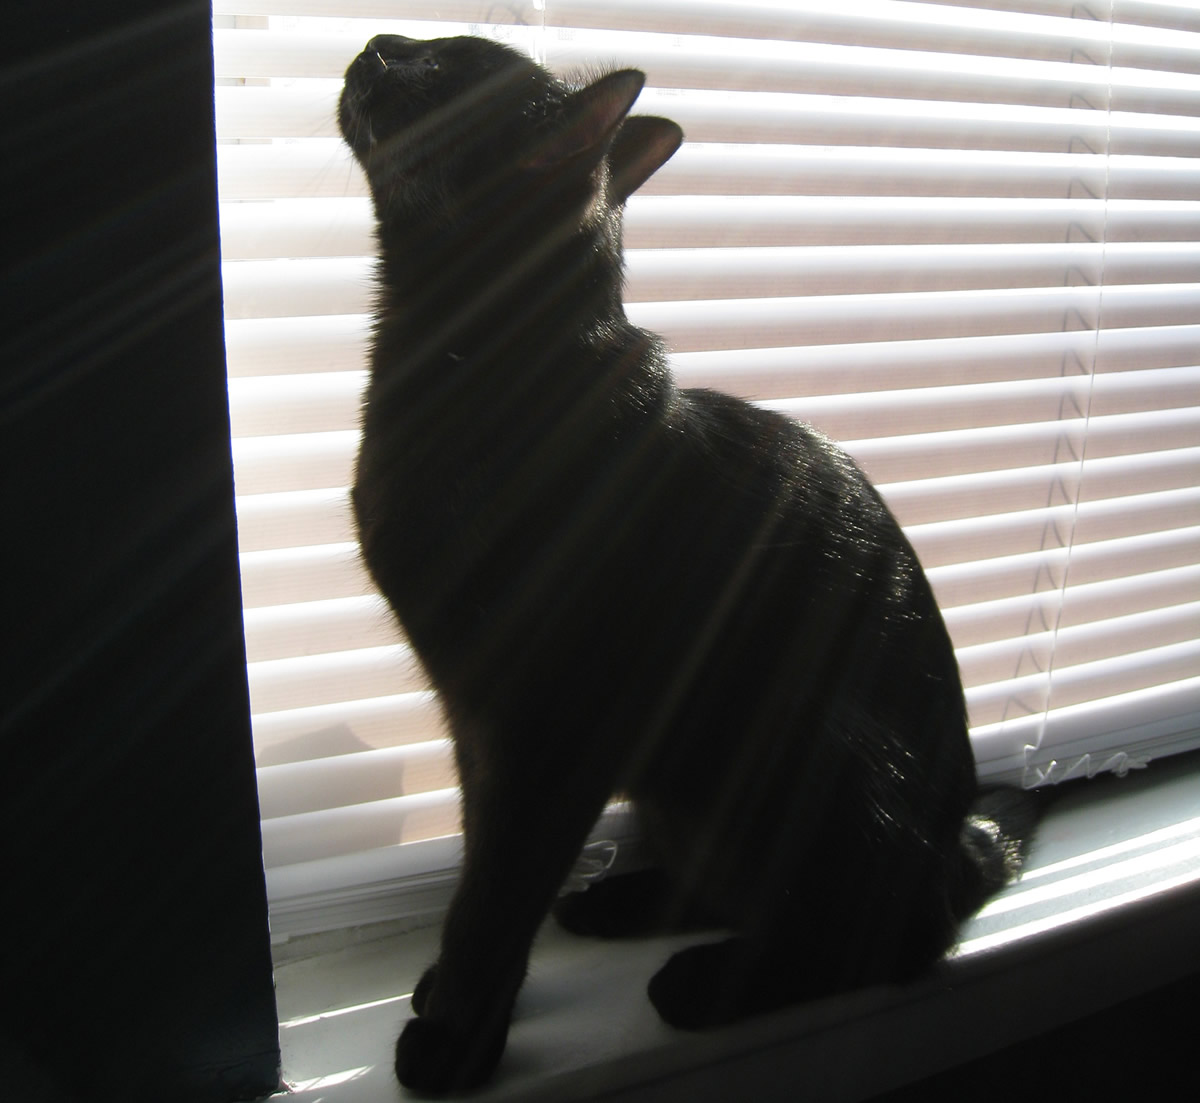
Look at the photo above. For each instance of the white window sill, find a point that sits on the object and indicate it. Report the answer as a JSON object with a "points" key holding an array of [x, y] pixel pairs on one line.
{"points": [[1107, 909]]}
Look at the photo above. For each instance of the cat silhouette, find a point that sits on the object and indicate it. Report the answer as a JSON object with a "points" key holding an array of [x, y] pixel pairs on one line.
{"points": [[620, 586]]}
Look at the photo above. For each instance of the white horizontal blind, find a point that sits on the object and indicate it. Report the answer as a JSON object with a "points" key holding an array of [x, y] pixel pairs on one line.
{"points": [[963, 239]]}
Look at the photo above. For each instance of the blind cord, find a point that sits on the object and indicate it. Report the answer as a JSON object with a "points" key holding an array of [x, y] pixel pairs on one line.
{"points": [[1040, 773]]}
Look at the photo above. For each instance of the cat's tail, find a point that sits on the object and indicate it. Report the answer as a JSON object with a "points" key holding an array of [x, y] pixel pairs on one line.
{"points": [[993, 843]]}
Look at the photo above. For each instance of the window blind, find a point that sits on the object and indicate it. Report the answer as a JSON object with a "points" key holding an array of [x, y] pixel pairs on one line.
{"points": [[961, 238]]}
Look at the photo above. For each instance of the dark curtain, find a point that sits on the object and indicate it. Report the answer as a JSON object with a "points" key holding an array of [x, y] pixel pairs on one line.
{"points": [[135, 962]]}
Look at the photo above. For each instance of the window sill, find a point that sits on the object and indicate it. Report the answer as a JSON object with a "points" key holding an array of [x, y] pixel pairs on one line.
{"points": [[1107, 910]]}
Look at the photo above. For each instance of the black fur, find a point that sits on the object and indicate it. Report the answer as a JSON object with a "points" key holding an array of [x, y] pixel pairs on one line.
{"points": [[618, 585]]}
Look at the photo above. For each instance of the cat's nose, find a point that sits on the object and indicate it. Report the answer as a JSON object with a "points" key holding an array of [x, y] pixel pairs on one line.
{"points": [[390, 46]]}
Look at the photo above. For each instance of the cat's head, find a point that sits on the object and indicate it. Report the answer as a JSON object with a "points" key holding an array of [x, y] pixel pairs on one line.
{"points": [[457, 128]]}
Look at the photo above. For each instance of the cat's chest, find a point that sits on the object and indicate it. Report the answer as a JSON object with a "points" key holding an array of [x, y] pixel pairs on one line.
{"points": [[419, 495]]}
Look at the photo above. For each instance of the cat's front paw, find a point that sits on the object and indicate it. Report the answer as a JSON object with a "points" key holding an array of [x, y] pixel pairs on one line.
{"points": [[434, 1059]]}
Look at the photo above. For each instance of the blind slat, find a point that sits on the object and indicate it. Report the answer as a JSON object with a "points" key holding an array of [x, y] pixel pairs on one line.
{"points": [[994, 663], [328, 402], [342, 285], [392, 720], [290, 789], [985, 72], [1035, 572], [351, 828], [1015, 489], [828, 369], [739, 116], [1136, 16], [312, 627], [345, 227], [1088, 522], [481, 11], [294, 462], [1128, 673], [322, 572], [983, 623], [336, 676], [766, 322], [278, 346], [323, 168], [273, 521]]}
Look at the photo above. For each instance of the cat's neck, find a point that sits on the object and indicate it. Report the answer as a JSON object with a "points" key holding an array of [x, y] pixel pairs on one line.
{"points": [[475, 330], [504, 286]]}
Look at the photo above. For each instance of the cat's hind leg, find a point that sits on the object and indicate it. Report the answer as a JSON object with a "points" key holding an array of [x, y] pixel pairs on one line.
{"points": [[717, 983], [632, 905], [884, 927]]}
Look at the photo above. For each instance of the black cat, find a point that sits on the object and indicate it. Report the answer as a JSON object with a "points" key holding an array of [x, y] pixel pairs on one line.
{"points": [[620, 586]]}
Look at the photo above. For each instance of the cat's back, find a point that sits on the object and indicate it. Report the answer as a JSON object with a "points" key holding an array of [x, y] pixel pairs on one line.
{"points": [[769, 470], [780, 537]]}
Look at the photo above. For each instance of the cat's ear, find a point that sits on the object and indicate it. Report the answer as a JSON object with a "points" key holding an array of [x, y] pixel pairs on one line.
{"points": [[641, 147], [588, 119]]}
